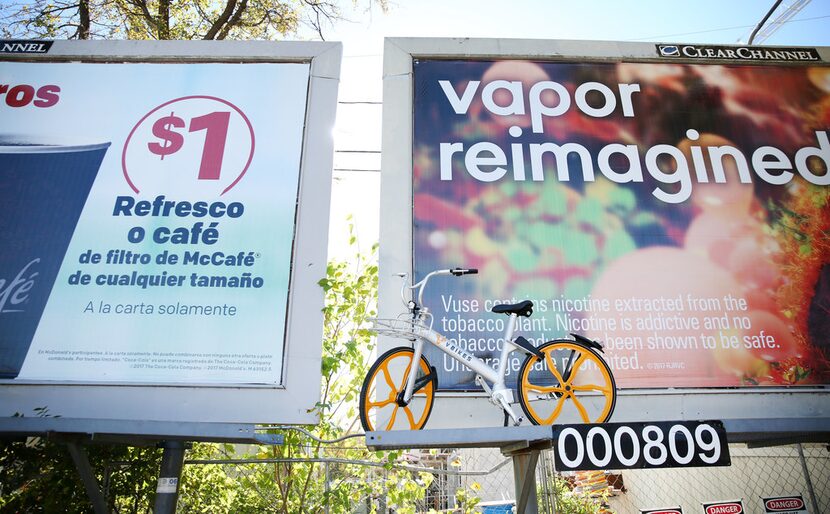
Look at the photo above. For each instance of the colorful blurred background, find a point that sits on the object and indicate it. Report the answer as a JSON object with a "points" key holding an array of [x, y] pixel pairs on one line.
{"points": [[749, 261]]}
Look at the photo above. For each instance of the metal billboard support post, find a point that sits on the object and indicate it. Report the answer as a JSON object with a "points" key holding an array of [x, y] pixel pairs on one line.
{"points": [[810, 491], [81, 460], [524, 479], [172, 462]]}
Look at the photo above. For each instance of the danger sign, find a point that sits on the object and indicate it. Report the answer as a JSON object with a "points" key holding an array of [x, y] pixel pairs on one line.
{"points": [[724, 507], [793, 504]]}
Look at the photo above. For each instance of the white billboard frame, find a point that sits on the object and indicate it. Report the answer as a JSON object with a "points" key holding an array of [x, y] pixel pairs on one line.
{"points": [[771, 413], [291, 402]]}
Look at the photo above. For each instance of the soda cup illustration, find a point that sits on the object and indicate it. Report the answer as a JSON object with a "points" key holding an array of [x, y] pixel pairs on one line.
{"points": [[43, 188]]}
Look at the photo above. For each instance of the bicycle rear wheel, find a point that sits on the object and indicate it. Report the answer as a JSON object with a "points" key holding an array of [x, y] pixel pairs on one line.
{"points": [[381, 403], [571, 384]]}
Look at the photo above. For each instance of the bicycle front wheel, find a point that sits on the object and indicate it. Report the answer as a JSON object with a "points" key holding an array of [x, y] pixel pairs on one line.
{"points": [[381, 397], [571, 384]]}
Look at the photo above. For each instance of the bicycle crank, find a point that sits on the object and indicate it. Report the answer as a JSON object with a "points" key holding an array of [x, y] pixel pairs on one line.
{"points": [[503, 399]]}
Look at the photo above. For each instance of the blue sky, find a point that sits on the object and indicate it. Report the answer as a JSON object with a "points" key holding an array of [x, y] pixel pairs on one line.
{"points": [[699, 21], [722, 21]]}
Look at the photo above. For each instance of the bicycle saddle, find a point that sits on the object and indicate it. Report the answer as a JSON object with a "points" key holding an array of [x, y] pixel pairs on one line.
{"points": [[524, 308]]}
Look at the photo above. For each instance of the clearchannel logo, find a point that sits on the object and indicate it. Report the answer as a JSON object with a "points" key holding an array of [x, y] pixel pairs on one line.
{"points": [[739, 53], [23, 46], [669, 50]]}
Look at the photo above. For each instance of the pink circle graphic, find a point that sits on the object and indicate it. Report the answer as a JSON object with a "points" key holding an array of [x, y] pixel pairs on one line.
{"points": [[192, 97]]}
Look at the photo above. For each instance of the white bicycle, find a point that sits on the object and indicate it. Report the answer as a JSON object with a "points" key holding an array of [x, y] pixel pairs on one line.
{"points": [[558, 377]]}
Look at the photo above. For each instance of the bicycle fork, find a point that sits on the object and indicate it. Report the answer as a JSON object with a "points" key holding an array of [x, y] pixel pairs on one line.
{"points": [[405, 396]]}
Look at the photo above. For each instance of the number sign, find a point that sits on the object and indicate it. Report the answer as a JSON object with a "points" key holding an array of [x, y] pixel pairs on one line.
{"points": [[665, 444]]}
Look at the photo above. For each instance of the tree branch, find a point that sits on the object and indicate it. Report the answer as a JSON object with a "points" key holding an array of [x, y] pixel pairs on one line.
{"points": [[221, 21], [84, 24], [322, 11], [144, 11], [237, 16], [58, 9], [163, 20]]}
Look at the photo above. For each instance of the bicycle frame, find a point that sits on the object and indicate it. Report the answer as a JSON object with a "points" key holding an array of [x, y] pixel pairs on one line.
{"points": [[499, 393]]}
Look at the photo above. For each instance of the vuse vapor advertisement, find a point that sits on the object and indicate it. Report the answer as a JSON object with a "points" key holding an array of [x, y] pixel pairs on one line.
{"points": [[676, 212]]}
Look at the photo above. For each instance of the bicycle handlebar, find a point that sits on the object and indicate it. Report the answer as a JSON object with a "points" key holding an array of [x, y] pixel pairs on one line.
{"points": [[423, 283]]}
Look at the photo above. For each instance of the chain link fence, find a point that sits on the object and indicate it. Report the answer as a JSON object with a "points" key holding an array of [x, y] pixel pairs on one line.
{"points": [[481, 480], [754, 473]]}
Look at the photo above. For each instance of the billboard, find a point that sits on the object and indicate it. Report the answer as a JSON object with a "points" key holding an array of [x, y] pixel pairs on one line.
{"points": [[676, 212], [670, 201], [153, 219]]}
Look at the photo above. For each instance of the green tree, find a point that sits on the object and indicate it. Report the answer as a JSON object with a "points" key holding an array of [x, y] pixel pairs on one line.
{"points": [[168, 19], [38, 475], [350, 300], [292, 481], [570, 502]]}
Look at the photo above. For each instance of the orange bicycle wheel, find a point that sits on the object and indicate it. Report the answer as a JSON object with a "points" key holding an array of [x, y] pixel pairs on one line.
{"points": [[572, 384], [381, 403]]}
